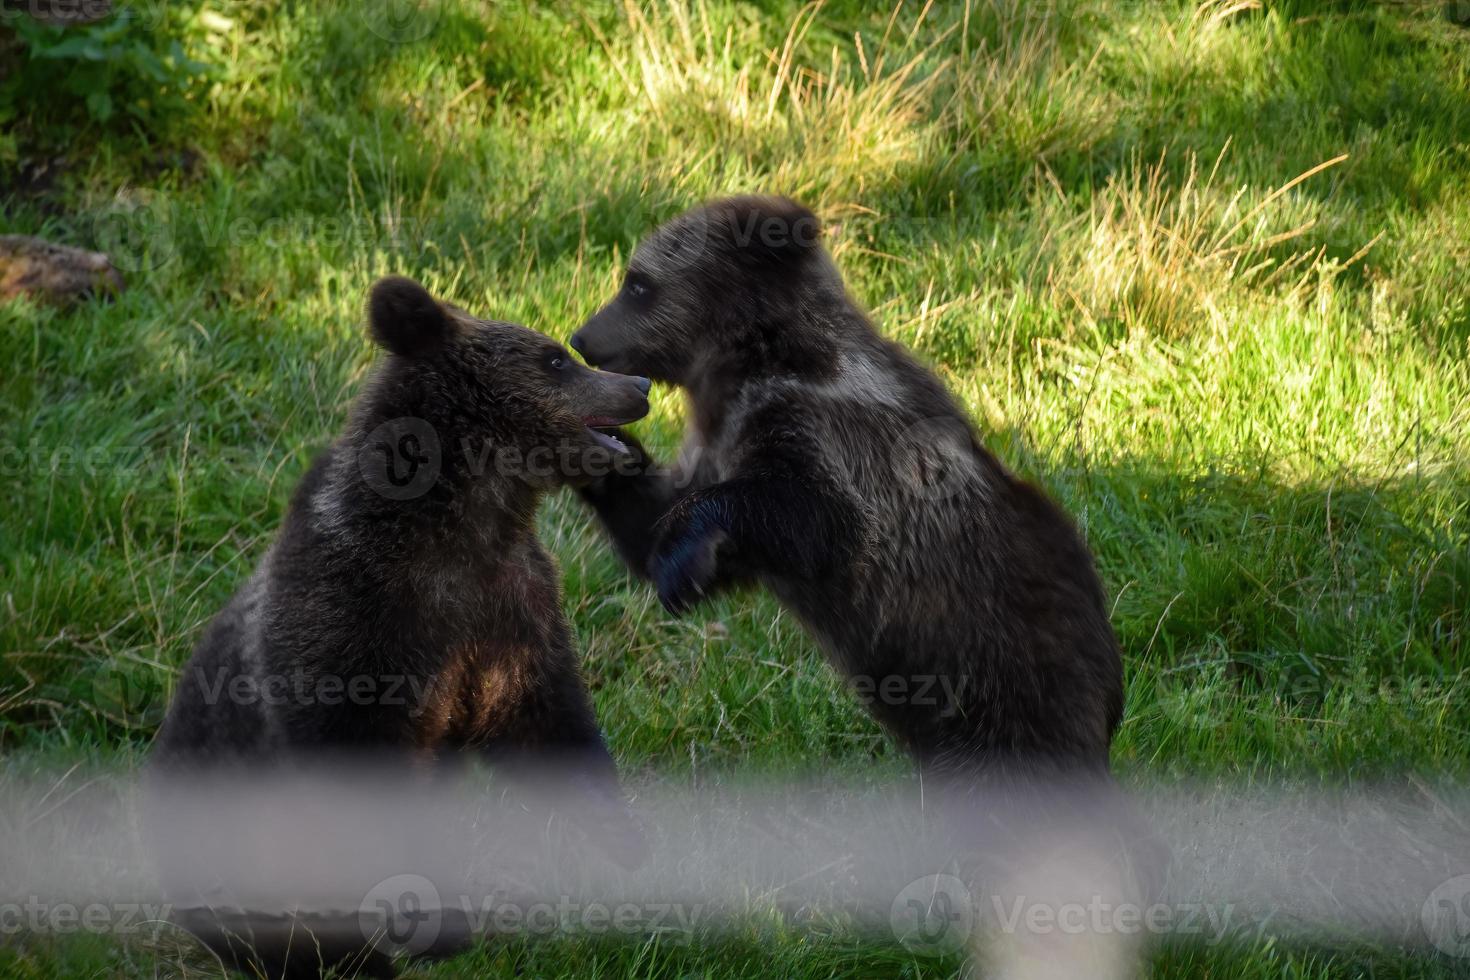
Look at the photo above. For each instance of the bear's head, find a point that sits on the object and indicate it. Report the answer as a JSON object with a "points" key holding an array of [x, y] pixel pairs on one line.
{"points": [[466, 398], [738, 277]]}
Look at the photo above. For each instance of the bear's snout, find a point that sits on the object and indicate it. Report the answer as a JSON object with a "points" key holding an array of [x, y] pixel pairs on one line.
{"points": [[607, 399]]}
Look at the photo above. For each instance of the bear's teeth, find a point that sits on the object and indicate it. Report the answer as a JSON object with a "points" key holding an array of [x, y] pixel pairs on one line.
{"points": [[609, 441]]}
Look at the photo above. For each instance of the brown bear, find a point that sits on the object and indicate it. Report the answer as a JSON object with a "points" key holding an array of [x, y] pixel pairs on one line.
{"points": [[823, 461], [407, 617]]}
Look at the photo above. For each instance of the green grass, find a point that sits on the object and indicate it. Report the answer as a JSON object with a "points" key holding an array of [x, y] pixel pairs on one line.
{"points": [[1252, 391]]}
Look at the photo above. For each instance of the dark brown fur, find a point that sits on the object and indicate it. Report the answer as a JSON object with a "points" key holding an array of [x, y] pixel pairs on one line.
{"points": [[826, 463], [436, 592]]}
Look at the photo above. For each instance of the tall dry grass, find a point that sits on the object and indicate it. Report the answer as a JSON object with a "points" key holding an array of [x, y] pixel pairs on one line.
{"points": [[826, 123], [1164, 252]]}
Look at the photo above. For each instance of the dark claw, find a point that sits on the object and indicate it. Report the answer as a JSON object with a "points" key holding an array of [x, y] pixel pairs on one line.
{"points": [[683, 568]]}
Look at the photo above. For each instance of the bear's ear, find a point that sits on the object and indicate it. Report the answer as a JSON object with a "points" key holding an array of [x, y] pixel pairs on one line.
{"points": [[405, 319], [771, 229]]}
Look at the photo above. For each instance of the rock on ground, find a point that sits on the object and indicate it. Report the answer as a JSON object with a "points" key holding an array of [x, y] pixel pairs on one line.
{"points": [[55, 273]]}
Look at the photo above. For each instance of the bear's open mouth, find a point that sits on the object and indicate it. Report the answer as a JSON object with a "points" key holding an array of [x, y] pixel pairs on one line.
{"points": [[607, 440]]}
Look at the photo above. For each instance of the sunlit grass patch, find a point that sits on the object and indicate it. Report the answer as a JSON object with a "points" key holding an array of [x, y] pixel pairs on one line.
{"points": [[816, 119], [1164, 255], [1196, 268]]}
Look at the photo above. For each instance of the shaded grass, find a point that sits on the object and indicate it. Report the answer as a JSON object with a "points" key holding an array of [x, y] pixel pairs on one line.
{"points": [[1251, 390]]}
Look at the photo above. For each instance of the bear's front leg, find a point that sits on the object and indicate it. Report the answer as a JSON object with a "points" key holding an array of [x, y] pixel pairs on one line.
{"points": [[630, 500], [796, 527], [552, 748], [685, 566]]}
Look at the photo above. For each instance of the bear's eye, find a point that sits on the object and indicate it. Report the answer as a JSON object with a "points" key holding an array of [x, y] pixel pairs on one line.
{"points": [[558, 362], [635, 286]]}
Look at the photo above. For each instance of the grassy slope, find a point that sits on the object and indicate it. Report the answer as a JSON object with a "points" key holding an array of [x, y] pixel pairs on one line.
{"points": [[1072, 213]]}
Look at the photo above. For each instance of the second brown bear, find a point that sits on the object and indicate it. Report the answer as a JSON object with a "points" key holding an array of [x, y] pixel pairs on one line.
{"points": [[825, 462]]}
